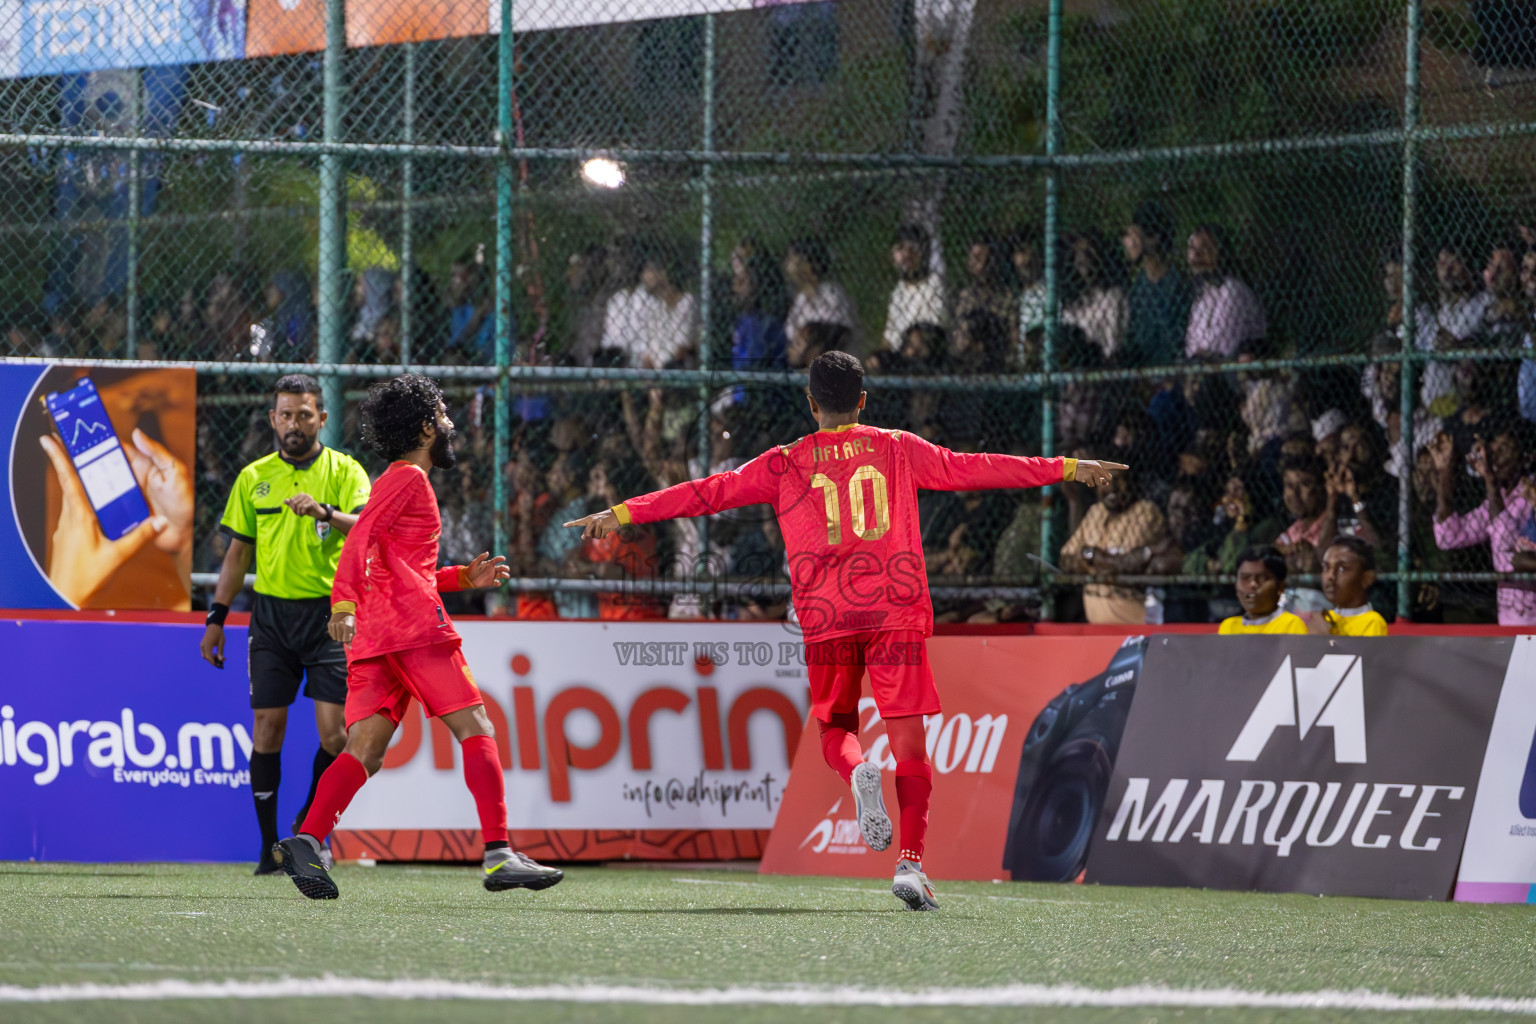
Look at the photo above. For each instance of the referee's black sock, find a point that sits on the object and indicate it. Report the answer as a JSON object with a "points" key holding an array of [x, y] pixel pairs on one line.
{"points": [[322, 762], [266, 772]]}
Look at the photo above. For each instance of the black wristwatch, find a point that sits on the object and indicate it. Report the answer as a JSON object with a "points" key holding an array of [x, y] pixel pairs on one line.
{"points": [[330, 510]]}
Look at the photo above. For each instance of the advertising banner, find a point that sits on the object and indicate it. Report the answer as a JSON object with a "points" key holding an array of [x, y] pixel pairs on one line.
{"points": [[119, 743], [630, 726], [49, 37], [993, 689], [1498, 863], [97, 502], [298, 26], [669, 740], [1301, 764]]}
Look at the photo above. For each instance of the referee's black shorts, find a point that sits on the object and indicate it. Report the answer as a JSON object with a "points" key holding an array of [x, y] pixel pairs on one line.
{"points": [[289, 642]]}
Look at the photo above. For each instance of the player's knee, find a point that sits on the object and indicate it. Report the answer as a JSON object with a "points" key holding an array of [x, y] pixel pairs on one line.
{"points": [[268, 729], [334, 741]]}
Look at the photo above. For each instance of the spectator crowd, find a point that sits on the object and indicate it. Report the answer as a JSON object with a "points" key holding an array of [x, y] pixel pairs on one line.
{"points": [[1223, 460]]}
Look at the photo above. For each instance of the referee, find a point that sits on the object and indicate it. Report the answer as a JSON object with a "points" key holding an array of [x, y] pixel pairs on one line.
{"points": [[293, 507]]}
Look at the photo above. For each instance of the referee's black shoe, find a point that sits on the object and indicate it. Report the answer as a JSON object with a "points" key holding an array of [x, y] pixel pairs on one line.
{"points": [[268, 864], [300, 859]]}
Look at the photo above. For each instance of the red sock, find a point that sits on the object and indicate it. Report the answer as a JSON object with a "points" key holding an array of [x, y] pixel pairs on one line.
{"points": [[914, 787], [482, 774], [914, 781], [840, 743], [333, 793]]}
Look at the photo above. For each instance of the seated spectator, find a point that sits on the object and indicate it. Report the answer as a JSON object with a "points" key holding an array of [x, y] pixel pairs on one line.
{"points": [[1458, 316], [373, 299], [1507, 318], [628, 555], [1526, 382], [1123, 534], [629, 306], [1270, 407], [1028, 266], [1349, 572], [669, 330], [816, 298], [757, 285], [979, 344], [757, 554], [989, 289], [1325, 435], [919, 293], [1499, 521], [1084, 408], [812, 339], [1303, 483], [1225, 312], [105, 325], [1238, 525], [559, 549], [1261, 574], [471, 319], [1098, 303], [1363, 500], [226, 319], [586, 281], [1157, 304]]}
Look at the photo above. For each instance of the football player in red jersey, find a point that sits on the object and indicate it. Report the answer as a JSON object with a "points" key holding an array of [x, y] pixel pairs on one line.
{"points": [[846, 501], [400, 644]]}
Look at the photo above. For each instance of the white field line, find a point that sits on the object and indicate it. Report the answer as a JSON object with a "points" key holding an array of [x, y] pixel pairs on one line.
{"points": [[955, 895], [718, 881], [1004, 995]]}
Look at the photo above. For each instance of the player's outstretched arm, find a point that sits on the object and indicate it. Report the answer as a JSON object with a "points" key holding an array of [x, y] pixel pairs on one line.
{"points": [[1097, 474], [597, 525]]}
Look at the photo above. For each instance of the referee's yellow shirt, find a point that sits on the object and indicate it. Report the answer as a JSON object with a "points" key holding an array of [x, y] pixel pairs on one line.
{"points": [[295, 555], [1279, 622], [1356, 622]]}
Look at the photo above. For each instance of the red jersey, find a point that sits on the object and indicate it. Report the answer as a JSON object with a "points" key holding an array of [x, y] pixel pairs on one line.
{"points": [[388, 573], [846, 500]]}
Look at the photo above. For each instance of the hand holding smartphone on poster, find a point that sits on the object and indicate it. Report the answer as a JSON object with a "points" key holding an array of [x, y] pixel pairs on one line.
{"points": [[115, 499]]}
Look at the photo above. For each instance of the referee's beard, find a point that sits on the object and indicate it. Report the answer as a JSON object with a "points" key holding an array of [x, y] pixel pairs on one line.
{"points": [[296, 444]]}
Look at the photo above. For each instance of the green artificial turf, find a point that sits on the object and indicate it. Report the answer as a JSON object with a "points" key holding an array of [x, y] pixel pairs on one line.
{"points": [[118, 924]]}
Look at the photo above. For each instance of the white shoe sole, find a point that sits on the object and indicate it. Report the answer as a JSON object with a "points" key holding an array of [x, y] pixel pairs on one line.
{"points": [[911, 893], [874, 823]]}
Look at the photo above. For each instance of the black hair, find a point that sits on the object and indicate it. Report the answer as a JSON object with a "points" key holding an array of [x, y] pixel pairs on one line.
{"points": [[1362, 550], [298, 384], [837, 380], [1312, 466], [815, 252], [915, 233], [1154, 222], [1267, 555], [396, 411]]}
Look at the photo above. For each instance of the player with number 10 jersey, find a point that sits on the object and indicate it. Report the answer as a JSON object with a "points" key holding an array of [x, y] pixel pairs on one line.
{"points": [[846, 502]]}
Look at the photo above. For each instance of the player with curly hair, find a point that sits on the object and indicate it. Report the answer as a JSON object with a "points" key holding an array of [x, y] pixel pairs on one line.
{"points": [[400, 644]]}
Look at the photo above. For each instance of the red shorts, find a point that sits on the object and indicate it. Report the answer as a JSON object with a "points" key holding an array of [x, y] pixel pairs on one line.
{"points": [[899, 674], [436, 675]]}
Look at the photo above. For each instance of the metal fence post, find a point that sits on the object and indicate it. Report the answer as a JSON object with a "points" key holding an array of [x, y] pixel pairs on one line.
{"points": [[1410, 318], [333, 229], [1052, 289], [407, 227], [706, 256], [505, 248], [135, 210]]}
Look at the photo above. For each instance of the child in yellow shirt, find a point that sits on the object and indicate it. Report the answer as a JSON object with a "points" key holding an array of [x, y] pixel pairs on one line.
{"points": [[1260, 578], [1349, 571]]}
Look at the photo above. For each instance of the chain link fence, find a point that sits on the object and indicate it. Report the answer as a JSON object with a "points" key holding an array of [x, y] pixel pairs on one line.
{"points": [[1279, 258]]}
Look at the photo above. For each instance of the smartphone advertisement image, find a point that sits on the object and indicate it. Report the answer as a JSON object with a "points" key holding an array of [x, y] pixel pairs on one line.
{"points": [[82, 424], [100, 488]]}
